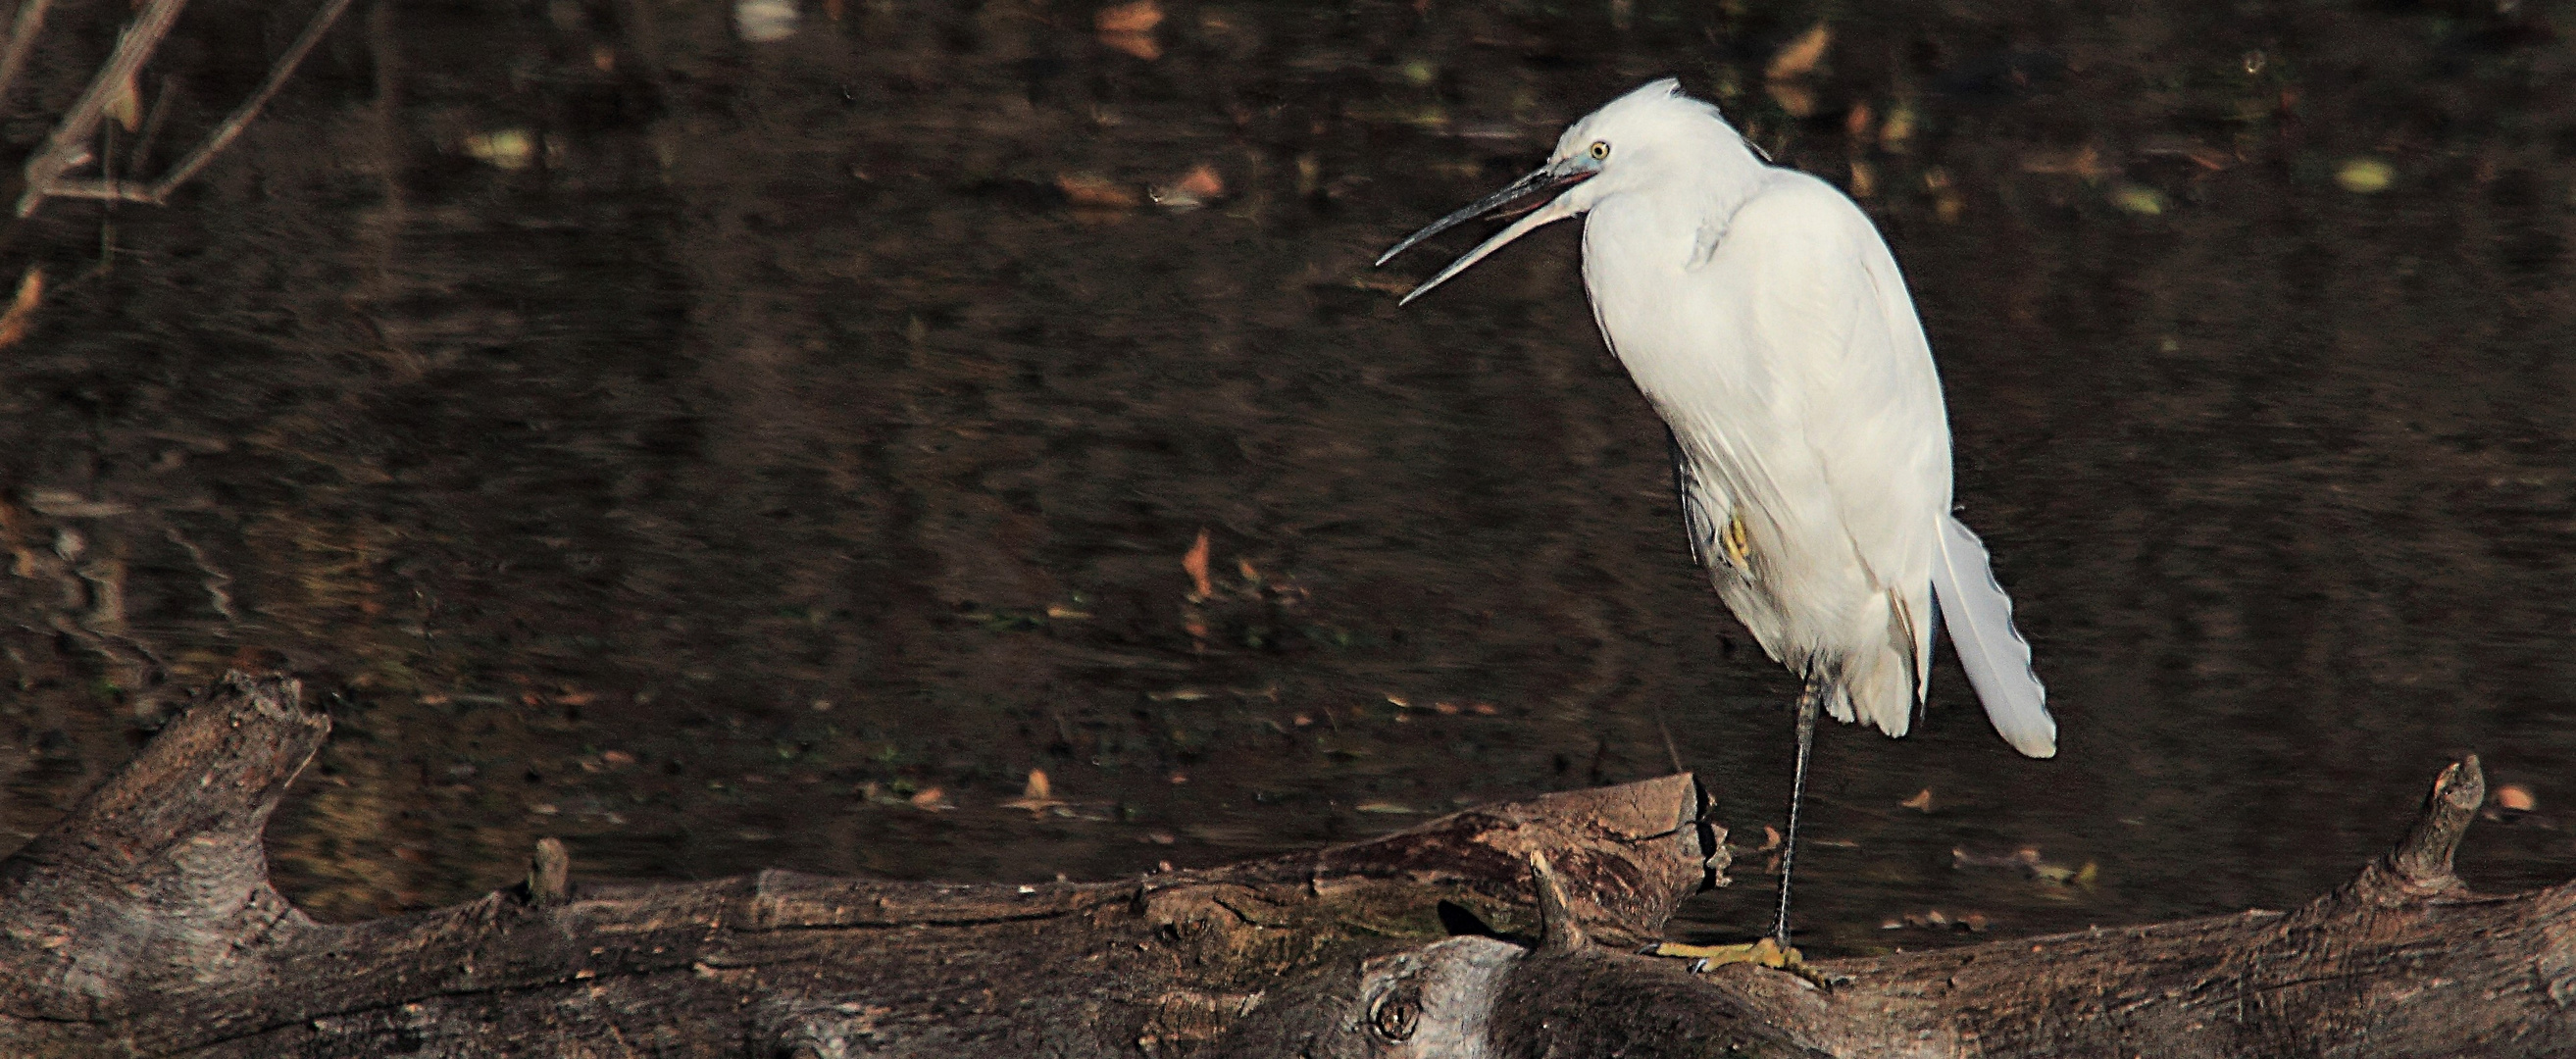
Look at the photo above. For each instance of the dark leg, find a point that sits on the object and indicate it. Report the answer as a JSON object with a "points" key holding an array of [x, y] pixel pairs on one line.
{"points": [[1810, 703]]}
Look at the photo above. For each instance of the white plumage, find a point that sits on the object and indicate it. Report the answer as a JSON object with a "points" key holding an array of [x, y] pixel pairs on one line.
{"points": [[1759, 311]]}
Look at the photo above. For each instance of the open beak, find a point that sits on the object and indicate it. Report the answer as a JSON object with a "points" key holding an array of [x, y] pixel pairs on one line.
{"points": [[1551, 180]]}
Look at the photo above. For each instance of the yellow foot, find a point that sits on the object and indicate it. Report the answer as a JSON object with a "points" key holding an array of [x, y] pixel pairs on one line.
{"points": [[1764, 953]]}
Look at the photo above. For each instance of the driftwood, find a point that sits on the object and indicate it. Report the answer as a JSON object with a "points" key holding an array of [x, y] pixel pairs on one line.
{"points": [[143, 924]]}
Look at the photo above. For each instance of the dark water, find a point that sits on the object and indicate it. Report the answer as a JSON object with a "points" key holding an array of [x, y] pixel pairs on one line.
{"points": [[789, 430]]}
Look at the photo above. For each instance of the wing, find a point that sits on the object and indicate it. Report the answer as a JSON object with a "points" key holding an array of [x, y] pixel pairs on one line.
{"points": [[1705, 509], [1856, 389]]}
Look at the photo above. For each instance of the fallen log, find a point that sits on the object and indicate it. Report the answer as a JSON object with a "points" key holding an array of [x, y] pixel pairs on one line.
{"points": [[144, 924]]}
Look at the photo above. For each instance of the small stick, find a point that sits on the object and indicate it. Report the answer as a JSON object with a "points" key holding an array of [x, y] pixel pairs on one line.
{"points": [[241, 118], [120, 190], [67, 147]]}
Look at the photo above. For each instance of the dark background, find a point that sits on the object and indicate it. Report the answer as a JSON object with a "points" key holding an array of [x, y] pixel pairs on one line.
{"points": [[704, 451]]}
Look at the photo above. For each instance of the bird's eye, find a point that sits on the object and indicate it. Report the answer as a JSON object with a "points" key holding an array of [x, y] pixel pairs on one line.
{"points": [[1600, 150]]}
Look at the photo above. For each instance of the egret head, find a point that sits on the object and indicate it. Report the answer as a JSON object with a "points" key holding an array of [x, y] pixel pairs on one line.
{"points": [[1654, 136]]}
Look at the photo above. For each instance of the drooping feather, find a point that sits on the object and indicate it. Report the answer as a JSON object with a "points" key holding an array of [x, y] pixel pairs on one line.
{"points": [[1979, 616]]}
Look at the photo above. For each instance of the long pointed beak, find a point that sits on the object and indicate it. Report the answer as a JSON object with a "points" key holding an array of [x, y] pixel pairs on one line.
{"points": [[1550, 180]]}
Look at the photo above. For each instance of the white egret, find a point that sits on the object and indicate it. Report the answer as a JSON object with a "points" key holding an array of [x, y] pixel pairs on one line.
{"points": [[1760, 313]]}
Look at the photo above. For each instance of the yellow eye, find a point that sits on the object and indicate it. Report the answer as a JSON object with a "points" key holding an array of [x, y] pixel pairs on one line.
{"points": [[1600, 150]]}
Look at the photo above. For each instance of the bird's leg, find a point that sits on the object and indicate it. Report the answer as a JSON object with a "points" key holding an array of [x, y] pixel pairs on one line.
{"points": [[1773, 951], [1810, 703]]}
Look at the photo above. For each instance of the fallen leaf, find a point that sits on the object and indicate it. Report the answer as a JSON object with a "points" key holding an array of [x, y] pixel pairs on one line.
{"points": [[931, 798], [1138, 17], [2365, 176], [765, 21], [1799, 57], [1094, 192], [617, 757], [1037, 796], [22, 309], [1859, 124], [2083, 162], [1130, 28], [1192, 190], [506, 149], [1196, 563], [1899, 129], [2201, 155], [2026, 858], [2514, 797], [1795, 98], [1389, 808], [1920, 802], [2138, 199]]}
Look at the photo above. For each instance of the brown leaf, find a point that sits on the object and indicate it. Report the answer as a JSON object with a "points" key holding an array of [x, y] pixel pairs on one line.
{"points": [[1037, 797], [1920, 802], [22, 311], [1139, 17], [930, 798], [1799, 57], [2083, 162], [1130, 28], [1793, 97], [1860, 123], [1094, 192], [2514, 797], [1196, 562], [1203, 182]]}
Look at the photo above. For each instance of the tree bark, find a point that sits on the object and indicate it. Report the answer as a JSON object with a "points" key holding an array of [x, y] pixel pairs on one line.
{"points": [[144, 924]]}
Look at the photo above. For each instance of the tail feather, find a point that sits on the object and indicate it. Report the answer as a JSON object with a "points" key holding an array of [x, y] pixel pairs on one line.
{"points": [[1979, 616]]}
